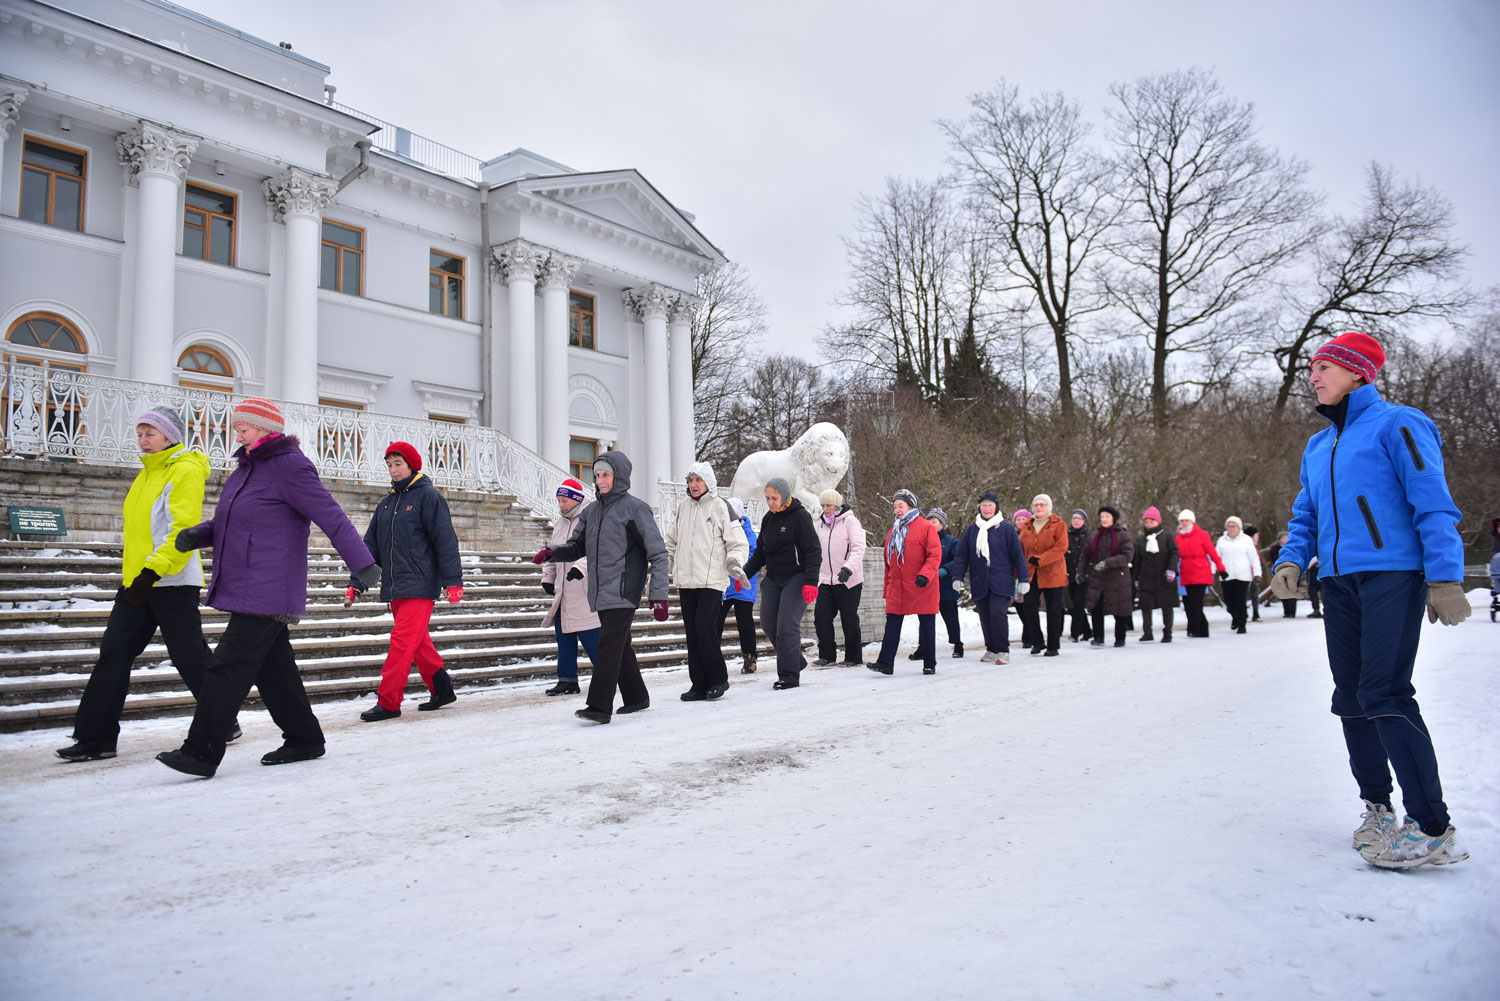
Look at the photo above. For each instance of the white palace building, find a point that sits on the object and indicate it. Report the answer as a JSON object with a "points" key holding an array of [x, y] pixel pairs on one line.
{"points": [[187, 214]]}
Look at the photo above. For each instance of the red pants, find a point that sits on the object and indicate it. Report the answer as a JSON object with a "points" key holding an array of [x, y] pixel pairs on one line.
{"points": [[409, 642]]}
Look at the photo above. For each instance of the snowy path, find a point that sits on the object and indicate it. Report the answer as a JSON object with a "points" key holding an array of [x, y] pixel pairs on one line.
{"points": [[1141, 823]]}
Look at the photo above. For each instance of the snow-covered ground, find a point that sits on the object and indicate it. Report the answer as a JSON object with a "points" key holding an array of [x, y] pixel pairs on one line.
{"points": [[1142, 823]]}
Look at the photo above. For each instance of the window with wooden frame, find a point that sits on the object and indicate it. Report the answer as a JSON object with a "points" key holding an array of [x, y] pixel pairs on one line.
{"points": [[208, 216], [445, 285], [447, 452], [581, 455], [580, 320], [43, 334], [343, 258], [208, 369], [52, 183]]}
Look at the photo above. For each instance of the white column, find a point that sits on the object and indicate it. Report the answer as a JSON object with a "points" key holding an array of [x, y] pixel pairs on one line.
{"points": [[552, 421], [12, 96], [680, 382], [519, 263], [155, 160], [297, 198], [650, 303]]}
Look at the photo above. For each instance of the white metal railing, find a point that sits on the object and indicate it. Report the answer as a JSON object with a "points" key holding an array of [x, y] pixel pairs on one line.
{"points": [[391, 138], [60, 413]]}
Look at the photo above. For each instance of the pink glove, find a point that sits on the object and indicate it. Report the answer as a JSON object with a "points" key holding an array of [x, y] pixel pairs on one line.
{"points": [[541, 556], [659, 611], [809, 593], [1171, 576], [351, 596], [455, 594]]}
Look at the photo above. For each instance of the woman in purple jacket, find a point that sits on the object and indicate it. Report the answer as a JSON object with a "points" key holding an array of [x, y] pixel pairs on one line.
{"points": [[259, 536]]}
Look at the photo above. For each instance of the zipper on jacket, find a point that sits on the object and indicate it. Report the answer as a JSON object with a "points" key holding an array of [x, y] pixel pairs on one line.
{"points": [[1334, 494], [390, 559], [1364, 509], [1411, 446]]}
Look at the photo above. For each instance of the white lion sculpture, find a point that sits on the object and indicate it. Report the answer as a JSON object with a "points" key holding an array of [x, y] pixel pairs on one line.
{"points": [[816, 462]]}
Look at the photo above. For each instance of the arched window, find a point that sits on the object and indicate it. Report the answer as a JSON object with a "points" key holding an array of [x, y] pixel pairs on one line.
{"points": [[51, 419], [208, 369], [199, 361], [50, 333]]}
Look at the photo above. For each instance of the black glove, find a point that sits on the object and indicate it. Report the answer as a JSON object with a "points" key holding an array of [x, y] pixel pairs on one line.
{"points": [[844, 575], [187, 540], [140, 588], [368, 577], [1100, 566], [1223, 575], [575, 574], [921, 581], [1034, 561], [547, 586]]}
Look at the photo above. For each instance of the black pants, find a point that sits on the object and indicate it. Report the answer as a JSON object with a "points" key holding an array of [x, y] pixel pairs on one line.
{"points": [[1079, 592], [1255, 600], [700, 615], [172, 609], [1122, 625], [1192, 605], [1166, 619], [744, 621], [926, 638], [254, 650], [949, 611], [616, 667], [1289, 608], [843, 600], [1031, 616], [993, 622], [1235, 593]]}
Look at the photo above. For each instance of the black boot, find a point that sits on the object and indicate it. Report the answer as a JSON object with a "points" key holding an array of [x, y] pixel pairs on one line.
{"points": [[564, 688], [915, 654], [87, 750], [635, 707], [929, 669], [749, 665], [716, 692], [1146, 637], [693, 695], [592, 715], [958, 650], [188, 764], [442, 691], [379, 713], [882, 667], [287, 753]]}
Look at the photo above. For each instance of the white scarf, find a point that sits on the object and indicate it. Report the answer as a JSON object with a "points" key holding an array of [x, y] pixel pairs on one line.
{"points": [[982, 544], [1151, 546]]}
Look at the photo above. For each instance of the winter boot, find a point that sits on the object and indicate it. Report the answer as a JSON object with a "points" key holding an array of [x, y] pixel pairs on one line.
{"points": [[716, 692], [822, 662], [693, 695], [749, 665], [188, 764], [564, 688], [287, 753], [635, 707], [379, 713], [592, 715], [882, 667], [958, 651], [929, 669], [1146, 637], [915, 654], [86, 750], [442, 692]]}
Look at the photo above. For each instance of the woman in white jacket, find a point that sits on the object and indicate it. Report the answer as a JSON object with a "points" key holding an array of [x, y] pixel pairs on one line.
{"points": [[707, 548], [572, 620], [1242, 563]]}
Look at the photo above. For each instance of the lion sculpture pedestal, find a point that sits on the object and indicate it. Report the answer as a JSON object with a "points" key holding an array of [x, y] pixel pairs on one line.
{"points": [[816, 462]]}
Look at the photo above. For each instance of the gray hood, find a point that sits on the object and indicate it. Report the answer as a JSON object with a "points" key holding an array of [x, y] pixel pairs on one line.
{"points": [[620, 463]]}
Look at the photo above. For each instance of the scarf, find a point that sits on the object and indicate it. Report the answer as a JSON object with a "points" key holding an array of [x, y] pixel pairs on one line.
{"points": [[1151, 546], [982, 544], [896, 544]]}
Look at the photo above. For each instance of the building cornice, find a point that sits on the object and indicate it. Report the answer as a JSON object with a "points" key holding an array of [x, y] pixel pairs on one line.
{"points": [[63, 237], [332, 298], [223, 272]]}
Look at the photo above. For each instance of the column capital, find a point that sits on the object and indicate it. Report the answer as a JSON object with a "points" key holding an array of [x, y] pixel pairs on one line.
{"points": [[12, 96], [557, 270], [155, 149], [647, 301], [298, 192], [683, 308], [518, 261]]}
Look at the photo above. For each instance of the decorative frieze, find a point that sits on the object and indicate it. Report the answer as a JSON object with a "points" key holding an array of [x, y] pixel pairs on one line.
{"points": [[683, 308], [520, 261], [558, 270], [648, 301], [155, 149], [298, 192]]}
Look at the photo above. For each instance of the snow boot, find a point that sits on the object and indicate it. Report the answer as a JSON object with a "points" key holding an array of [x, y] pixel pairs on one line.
{"points": [[693, 695], [187, 763], [915, 654], [592, 715], [958, 651], [379, 713], [749, 665], [287, 753], [1146, 637], [882, 667], [442, 691], [86, 750], [781, 686], [564, 688], [716, 692]]}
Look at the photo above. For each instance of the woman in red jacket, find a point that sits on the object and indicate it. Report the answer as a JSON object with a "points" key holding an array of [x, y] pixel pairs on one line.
{"points": [[913, 554], [1196, 550]]}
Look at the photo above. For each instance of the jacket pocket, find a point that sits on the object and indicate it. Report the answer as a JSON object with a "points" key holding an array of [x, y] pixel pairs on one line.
{"points": [[1411, 446], [1364, 509]]}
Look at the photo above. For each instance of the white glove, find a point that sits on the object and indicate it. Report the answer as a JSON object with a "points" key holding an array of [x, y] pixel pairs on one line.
{"points": [[1022, 586]]}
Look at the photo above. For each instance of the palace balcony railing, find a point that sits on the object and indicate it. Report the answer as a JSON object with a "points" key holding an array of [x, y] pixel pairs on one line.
{"points": [[59, 413]]}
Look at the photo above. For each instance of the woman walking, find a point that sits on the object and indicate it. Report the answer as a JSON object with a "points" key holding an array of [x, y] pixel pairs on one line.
{"points": [[841, 579], [1242, 565], [739, 599], [947, 594], [573, 622], [1109, 554], [1197, 559], [990, 553], [1078, 581], [788, 551], [412, 539], [912, 557], [1045, 542], [1388, 552], [160, 585], [259, 535], [706, 549], [1155, 570]]}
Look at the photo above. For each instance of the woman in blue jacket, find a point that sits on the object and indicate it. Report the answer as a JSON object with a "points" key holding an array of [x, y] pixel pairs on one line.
{"points": [[739, 599], [990, 553], [1374, 509]]}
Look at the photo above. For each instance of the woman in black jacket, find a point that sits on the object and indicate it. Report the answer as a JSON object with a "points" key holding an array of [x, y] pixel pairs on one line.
{"points": [[1078, 580], [412, 539], [1155, 569], [789, 550]]}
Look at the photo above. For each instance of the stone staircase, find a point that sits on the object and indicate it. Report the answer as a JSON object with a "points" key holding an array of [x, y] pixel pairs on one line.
{"points": [[55, 601]]}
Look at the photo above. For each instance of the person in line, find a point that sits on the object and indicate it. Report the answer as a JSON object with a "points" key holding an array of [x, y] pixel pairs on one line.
{"points": [[1078, 579], [912, 557], [160, 586], [618, 538], [1155, 570], [1374, 505], [1253, 534], [841, 580], [412, 539], [1197, 559], [706, 549], [1045, 542], [259, 535], [990, 554], [1288, 605], [1242, 566], [1109, 554], [789, 553], [947, 594], [739, 599], [573, 622], [1031, 633]]}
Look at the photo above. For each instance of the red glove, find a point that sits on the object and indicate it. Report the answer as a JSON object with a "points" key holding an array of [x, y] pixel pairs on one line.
{"points": [[659, 610], [809, 593], [455, 594], [736, 584], [351, 596], [541, 556]]}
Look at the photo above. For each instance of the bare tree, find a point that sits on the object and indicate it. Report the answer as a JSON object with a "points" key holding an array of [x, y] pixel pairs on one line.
{"points": [[1047, 198], [730, 319], [1211, 215], [1396, 259], [781, 397]]}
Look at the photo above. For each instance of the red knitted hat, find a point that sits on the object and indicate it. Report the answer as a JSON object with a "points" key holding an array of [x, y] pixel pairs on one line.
{"points": [[259, 412], [570, 488], [1359, 353], [410, 454]]}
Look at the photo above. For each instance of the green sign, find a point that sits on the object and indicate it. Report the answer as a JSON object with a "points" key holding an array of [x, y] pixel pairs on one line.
{"points": [[37, 521]]}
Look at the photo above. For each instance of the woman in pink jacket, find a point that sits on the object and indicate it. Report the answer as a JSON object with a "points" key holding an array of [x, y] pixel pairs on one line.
{"points": [[572, 620], [841, 579]]}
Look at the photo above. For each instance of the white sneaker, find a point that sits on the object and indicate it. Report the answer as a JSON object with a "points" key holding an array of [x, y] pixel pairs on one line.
{"points": [[986, 658], [1002, 658], [1410, 848], [1377, 826]]}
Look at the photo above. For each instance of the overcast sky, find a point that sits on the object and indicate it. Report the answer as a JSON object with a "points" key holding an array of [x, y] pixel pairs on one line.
{"points": [[768, 119]]}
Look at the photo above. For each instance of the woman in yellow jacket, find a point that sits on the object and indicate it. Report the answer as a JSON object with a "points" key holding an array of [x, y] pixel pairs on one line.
{"points": [[160, 585]]}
